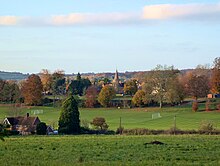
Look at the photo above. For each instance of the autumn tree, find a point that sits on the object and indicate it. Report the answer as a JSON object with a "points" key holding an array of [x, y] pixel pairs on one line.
{"points": [[69, 122], [130, 87], [106, 95], [99, 123], [139, 98], [159, 80], [91, 96], [46, 79], [215, 76], [32, 90], [175, 91], [198, 86], [195, 106]]}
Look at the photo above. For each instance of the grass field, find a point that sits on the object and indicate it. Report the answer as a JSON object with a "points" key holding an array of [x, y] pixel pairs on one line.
{"points": [[131, 118], [110, 150]]}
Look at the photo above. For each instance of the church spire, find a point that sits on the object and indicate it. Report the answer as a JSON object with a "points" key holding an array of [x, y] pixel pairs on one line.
{"points": [[115, 81], [116, 78]]}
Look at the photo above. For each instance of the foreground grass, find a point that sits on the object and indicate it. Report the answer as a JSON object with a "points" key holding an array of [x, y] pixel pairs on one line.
{"points": [[110, 150]]}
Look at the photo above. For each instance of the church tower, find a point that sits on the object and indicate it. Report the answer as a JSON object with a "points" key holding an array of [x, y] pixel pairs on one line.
{"points": [[115, 81]]}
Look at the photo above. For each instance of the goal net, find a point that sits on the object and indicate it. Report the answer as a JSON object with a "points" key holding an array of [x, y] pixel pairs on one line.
{"points": [[36, 112], [156, 115]]}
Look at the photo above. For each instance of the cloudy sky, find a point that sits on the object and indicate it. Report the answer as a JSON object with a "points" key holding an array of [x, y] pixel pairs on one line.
{"points": [[102, 35]]}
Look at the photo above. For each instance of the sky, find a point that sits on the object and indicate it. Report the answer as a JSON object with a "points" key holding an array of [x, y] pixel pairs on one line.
{"points": [[102, 35]]}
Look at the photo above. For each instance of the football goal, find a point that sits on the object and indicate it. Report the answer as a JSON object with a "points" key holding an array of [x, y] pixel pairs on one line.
{"points": [[36, 112], [156, 115]]}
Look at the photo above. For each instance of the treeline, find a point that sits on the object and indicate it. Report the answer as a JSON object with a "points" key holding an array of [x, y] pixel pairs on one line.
{"points": [[162, 85]]}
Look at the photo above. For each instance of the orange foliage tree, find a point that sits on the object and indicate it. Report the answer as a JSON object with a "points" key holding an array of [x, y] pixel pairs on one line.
{"points": [[91, 96], [215, 78], [32, 90], [196, 85], [46, 79]]}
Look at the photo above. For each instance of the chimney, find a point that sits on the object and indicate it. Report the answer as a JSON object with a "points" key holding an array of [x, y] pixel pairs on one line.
{"points": [[27, 115]]}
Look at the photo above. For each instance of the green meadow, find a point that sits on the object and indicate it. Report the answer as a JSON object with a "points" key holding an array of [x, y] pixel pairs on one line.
{"points": [[130, 118], [110, 150]]}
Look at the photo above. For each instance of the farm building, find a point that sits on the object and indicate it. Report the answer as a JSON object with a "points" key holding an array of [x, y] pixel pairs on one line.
{"points": [[24, 125]]}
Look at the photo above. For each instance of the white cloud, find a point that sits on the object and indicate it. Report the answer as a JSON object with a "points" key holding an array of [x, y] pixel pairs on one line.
{"points": [[91, 18], [184, 11], [198, 12], [73, 18], [8, 20]]}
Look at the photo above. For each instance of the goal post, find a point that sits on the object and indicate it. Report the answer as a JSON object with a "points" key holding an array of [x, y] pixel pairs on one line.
{"points": [[156, 115]]}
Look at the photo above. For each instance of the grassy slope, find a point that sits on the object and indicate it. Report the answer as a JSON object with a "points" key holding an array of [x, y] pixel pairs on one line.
{"points": [[131, 118], [110, 150]]}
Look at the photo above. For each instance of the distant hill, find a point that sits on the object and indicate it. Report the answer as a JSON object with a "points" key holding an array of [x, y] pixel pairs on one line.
{"points": [[139, 75], [12, 75]]}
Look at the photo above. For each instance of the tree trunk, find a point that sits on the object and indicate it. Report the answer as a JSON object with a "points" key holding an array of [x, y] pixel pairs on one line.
{"points": [[161, 104]]}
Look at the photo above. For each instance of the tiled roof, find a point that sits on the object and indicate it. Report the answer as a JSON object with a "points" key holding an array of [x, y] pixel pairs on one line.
{"points": [[21, 120]]}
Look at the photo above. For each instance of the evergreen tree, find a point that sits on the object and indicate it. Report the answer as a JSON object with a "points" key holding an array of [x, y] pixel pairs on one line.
{"points": [[69, 122]]}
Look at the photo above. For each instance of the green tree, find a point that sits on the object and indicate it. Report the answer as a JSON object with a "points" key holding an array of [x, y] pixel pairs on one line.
{"points": [[79, 86], [106, 95], [69, 122], [130, 87], [9, 92], [2, 132], [58, 83], [41, 128]]}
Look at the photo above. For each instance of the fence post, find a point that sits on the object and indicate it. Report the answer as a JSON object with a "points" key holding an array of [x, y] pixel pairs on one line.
{"points": [[174, 125], [120, 130]]}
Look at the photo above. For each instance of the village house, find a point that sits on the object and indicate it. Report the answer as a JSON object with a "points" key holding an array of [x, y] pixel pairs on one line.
{"points": [[24, 125]]}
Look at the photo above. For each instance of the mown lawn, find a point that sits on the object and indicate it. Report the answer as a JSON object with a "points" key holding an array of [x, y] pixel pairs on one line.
{"points": [[131, 118], [110, 150]]}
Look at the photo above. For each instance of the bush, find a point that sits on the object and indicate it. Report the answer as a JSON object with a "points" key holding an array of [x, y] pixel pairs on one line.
{"points": [[195, 106], [119, 130], [218, 107], [99, 123], [90, 131], [207, 127], [84, 123], [41, 128], [11, 132], [207, 106]]}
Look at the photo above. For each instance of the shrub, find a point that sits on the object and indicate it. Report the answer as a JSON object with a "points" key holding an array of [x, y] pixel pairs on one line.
{"points": [[99, 123], [119, 130], [207, 127], [84, 123], [195, 106], [41, 128], [218, 107], [207, 106]]}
